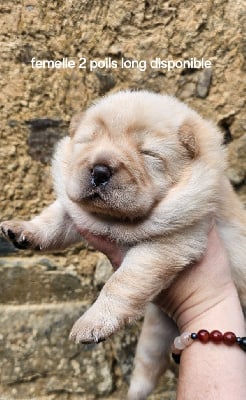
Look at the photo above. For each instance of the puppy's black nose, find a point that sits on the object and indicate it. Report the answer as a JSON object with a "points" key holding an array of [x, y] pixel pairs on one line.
{"points": [[100, 175]]}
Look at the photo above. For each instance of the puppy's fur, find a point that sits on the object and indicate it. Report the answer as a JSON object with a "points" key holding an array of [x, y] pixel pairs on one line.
{"points": [[161, 181]]}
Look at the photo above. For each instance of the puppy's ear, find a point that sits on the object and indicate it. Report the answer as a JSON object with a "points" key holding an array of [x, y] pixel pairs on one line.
{"points": [[74, 123], [188, 138]]}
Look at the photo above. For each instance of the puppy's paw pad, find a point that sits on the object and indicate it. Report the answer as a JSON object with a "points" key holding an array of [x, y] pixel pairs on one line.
{"points": [[83, 333], [15, 232], [25, 240], [94, 330], [10, 230]]}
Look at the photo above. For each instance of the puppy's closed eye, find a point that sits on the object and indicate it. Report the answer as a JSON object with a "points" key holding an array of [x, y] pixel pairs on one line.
{"points": [[87, 137], [152, 154], [154, 160]]}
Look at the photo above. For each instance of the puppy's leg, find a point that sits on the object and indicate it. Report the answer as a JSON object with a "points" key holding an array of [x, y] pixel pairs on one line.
{"points": [[146, 269], [152, 352], [52, 229]]}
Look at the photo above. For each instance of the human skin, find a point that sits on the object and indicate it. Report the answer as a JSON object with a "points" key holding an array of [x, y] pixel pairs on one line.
{"points": [[205, 297], [202, 297]]}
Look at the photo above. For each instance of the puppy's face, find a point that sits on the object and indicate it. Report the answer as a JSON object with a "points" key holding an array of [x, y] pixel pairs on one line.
{"points": [[124, 157]]}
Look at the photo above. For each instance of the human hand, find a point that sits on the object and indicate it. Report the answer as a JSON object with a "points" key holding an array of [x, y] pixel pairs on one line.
{"points": [[201, 287], [204, 296], [196, 290], [111, 249]]}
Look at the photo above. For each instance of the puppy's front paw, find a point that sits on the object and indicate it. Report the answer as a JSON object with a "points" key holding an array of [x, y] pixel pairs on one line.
{"points": [[94, 327], [17, 233]]}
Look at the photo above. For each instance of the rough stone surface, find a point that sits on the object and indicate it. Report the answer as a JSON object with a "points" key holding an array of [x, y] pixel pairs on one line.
{"points": [[34, 348], [41, 295], [103, 271], [236, 158], [41, 280]]}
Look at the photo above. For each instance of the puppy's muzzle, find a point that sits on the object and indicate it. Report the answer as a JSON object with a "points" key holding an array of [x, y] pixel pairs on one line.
{"points": [[100, 175]]}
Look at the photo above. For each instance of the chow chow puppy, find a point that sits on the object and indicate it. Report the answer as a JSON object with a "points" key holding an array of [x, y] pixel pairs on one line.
{"points": [[147, 172]]}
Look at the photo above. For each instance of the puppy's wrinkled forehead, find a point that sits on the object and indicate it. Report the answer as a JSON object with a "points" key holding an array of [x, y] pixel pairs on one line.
{"points": [[131, 114], [111, 124]]}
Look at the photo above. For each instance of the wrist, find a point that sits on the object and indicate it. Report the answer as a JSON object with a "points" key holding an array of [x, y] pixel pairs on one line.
{"points": [[223, 310], [218, 370]]}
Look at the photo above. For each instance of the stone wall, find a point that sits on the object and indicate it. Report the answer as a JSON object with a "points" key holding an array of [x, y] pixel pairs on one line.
{"points": [[41, 295]]}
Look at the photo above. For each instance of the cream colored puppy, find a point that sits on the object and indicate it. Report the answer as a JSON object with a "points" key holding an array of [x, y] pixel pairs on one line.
{"points": [[146, 171]]}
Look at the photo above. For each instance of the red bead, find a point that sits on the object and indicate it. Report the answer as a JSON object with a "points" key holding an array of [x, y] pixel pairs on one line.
{"points": [[203, 336], [229, 338], [216, 336]]}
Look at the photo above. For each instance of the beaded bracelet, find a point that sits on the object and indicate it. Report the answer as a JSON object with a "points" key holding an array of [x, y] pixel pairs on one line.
{"points": [[186, 339]]}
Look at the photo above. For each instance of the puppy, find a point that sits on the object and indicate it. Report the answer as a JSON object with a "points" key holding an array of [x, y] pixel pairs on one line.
{"points": [[145, 171]]}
